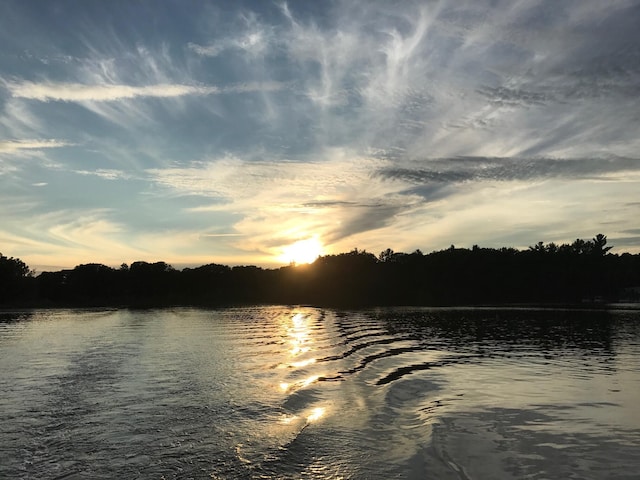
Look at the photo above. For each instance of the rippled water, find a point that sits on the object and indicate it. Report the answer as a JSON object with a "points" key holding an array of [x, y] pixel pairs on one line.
{"points": [[281, 392]]}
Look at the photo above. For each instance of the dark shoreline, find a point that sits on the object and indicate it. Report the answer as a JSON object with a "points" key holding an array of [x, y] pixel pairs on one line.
{"points": [[583, 273], [618, 306]]}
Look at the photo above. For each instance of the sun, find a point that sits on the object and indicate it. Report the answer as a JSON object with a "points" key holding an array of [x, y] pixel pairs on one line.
{"points": [[302, 251]]}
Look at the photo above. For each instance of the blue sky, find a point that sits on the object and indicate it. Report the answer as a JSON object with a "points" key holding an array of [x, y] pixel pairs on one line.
{"points": [[197, 132]]}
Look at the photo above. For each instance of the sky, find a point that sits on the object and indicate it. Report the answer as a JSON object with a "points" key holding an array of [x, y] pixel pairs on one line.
{"points": [[198, 132]]}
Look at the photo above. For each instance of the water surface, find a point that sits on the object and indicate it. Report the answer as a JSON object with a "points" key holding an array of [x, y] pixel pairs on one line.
{"points": [[283, 392]]}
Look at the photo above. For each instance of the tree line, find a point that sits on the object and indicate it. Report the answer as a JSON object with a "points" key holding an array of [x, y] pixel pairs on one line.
{"points": [[583, 271]]}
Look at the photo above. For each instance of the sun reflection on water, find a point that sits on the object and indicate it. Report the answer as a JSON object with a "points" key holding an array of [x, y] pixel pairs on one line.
{"points": [[303, 363], [298, 319], [299, 335], [287, 419], [312, 415], [316, 414], [284, 386], [308, 381]]}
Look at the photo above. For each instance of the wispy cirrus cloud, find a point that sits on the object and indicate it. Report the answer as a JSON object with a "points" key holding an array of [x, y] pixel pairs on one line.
{"points": [[15, 146], [76, 92], [253, 43], [107, 174], [251, 37], [237, 179]]}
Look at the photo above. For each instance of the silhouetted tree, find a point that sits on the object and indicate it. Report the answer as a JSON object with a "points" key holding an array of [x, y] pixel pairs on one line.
{"points": [[15, 278], [152, 283], [386, 255], [599, 243]]}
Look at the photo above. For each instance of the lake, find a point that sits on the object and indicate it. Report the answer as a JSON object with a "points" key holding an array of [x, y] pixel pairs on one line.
{"points": [[297, 392]]}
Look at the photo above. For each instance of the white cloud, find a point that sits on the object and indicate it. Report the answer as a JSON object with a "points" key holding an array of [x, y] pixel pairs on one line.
{"points": [[285, 182], [248, 87], [207, 50], [106, 173], [15, 146], [18, 121], [253, 38], [282, 201], [252, 43], [75, 92]]}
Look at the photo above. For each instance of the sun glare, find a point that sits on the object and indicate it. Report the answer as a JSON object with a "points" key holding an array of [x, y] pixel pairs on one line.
{"points": [[302, 251]]}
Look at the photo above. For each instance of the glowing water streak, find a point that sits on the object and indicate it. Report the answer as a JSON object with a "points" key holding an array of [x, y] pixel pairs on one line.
{"points": [[316, 414]]}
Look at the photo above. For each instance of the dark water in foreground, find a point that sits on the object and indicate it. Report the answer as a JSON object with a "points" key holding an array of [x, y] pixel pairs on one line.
{"points": [[280, 392]]}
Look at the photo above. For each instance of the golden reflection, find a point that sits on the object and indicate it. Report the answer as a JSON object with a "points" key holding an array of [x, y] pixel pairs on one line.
{"points": [[298, 320], [313, 415], [309, 381], [297, 350], [287, 419], [284, 386], [316, 414], [303, 363], [299, 335]]}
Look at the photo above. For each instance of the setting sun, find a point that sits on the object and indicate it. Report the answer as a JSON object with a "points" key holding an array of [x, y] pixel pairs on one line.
{"points": [[302, 251]]}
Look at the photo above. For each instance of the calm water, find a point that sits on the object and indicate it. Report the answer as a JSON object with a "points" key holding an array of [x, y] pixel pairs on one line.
{"points": [[281, 392]]}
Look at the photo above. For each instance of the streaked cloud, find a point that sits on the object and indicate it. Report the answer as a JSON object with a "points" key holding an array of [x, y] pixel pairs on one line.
{"points": [[461, 169], [252, 37], [107, 174], [253, 43], [74, 92], [15, 146]]}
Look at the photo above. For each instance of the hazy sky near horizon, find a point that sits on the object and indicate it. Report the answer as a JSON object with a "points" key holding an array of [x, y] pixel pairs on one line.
{"points": [[196, 132]]}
